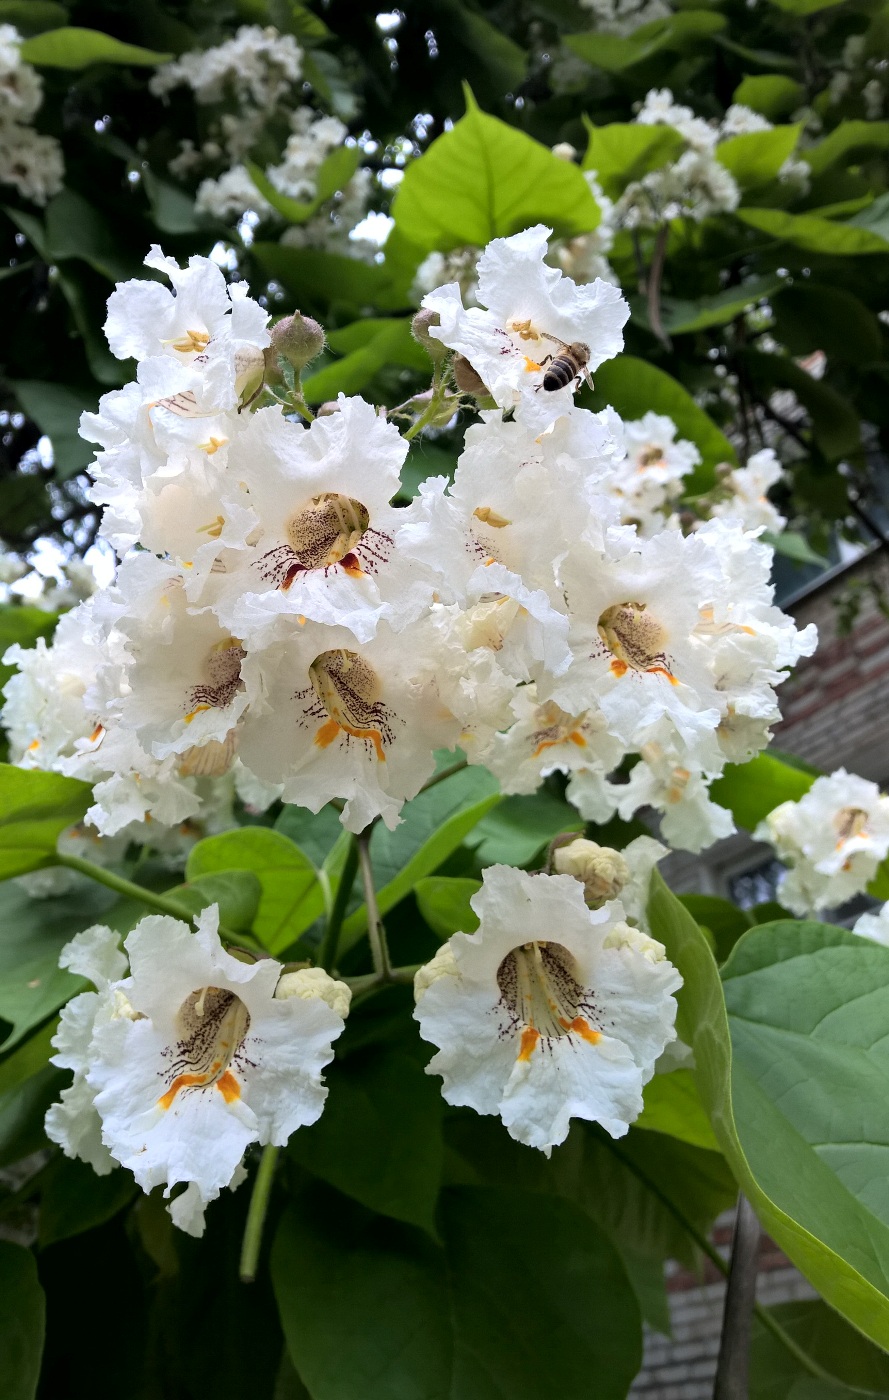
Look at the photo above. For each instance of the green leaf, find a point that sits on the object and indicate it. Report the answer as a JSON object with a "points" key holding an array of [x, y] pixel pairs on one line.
{"points": [[32, 985], [810, 1212], [70, 47], [171, 208], [752, 790], [35, 808], [684, 317], [22, 1322], [571, 1334], [237, 892], [434, 824], [32, 16], [804, 7], [417, 1322], [673, 1106], [56, 410], [755, 157], [444, 903], [725, 920], [370, 346], [625, 151], [806, 1005], [856, 137], [519, 827], [822, 1334], [330, 279], [74, 1199], [815, 234], [614, 53], [22, 624], [22, 1113], [379, 1137], [794, 546], [772, 95], [291, 898], [485, 180], [316, 833], [810, 314], [29, 1059], [76, 229], [633, 387]]}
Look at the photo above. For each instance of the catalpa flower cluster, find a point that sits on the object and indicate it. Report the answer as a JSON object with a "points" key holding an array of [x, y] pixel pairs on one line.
{"points": [[276, 615], [277, 620]]}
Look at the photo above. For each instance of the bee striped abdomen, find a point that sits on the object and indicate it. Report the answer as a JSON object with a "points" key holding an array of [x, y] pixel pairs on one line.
{"points": [[559, 373]]}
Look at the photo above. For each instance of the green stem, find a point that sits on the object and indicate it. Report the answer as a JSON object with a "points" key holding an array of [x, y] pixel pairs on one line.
{"points": [[428, 413], [379, 948], [327, 952], [259, 1204], [129, 890], [448, 772], [372, 981], [706, 1247]]}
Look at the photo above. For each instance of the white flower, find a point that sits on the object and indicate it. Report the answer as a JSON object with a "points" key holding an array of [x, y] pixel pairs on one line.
{"points": [[194, 1058], [666, 780], [874, 926], [324, 546], [334, 718], [257, 63], [549, 1012], [546, 739], [532, 313], [30, 161], [625, 16], [651, 479], [833, 839], [659, 109], [749, 503], [739, 120], [145, 318]]}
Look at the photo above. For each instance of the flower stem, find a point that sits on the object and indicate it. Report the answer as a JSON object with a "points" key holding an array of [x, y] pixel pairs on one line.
{"points": [[330, 942], [763, 1315], [129, 890], [429, 411], [259, 1204], [448, 772], [740, 1295], [379, 948]]}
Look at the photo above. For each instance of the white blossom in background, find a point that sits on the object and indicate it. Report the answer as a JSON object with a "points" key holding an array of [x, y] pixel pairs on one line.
{"points": [[874, 926], [29, 161], [182, 1064], [551, 1011], [258, 64], [833, 840], [748, 502], [624, 17], [656, 465], [528, 312]]}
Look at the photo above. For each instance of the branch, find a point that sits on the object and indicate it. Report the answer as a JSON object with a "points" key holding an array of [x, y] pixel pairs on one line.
{"points": [[259, 1204], [653, 289], [733, 1367], [379, 948], [330, 942], [129, 890]]}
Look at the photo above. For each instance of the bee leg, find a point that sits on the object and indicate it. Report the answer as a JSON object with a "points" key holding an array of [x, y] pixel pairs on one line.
{"points": [[545, 361]]}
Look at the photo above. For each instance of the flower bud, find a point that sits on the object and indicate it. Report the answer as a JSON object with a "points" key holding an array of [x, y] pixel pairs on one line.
{"points": [[565, 151], [327, 409], [444, 964], [624, 936], [420, 326], [602, 871], [466, 379], [296, 338], [312, 982]]}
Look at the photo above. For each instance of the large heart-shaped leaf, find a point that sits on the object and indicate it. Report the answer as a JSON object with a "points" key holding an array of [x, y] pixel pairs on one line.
{"points": [[823, 1205], [290, 899], [35, 808]]}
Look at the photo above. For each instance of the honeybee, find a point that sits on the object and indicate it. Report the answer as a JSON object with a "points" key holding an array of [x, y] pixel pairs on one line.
{"points": [[569, 365]]}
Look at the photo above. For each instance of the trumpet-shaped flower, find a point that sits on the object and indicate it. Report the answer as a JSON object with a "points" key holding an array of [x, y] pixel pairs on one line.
{"points": [[551, 1011], [195, 1055], [833, 839], [529, 315]]}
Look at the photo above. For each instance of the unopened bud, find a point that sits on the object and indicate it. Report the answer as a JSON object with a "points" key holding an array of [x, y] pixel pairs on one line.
{"points": [[327, 409], [565, 151], [249, 374], [420, 327], [624, 936], [444, 964], [312, 982], [295, 338], [466, 379], [602, 871]]}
